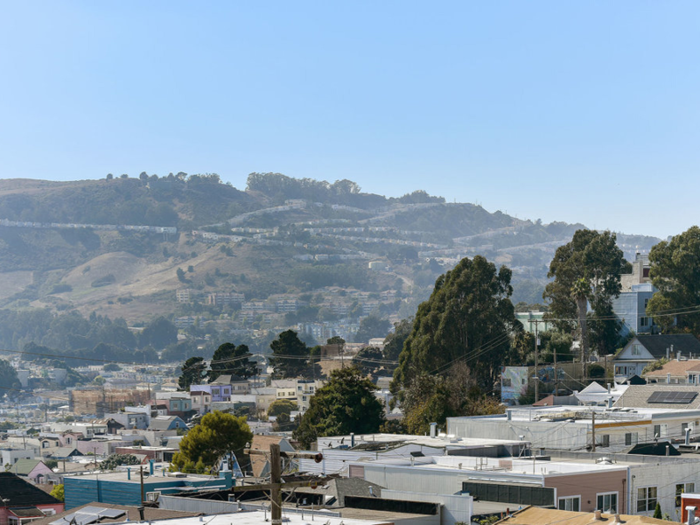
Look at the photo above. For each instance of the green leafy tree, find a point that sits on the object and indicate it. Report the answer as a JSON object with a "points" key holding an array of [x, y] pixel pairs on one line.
{"points": [[468, 317], [371, 327], [216, 434], [432, 398], [58, 492], [116, 460], [192, 372], [586, 271], [393, 343], [282, 406], [675, 271], [368, 360], [345, 404], [231, 359], [8, 378], [159, 333], [289, 355]]}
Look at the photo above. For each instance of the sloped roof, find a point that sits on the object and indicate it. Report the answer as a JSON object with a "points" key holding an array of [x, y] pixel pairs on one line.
{"points": [[227, 379], [676, 369], [538, 516], [20, 493], [259, 462], [163, 422], [654, 449], [24, 466], [65, 452], [27, 512], [657, 344], [637, 396], [341, 487]]}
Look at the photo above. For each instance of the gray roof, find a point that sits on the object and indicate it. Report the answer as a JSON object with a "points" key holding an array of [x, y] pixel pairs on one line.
{"points": [[65, 452], [162, 422], [341, 487], [637, 396], [657, 344]]}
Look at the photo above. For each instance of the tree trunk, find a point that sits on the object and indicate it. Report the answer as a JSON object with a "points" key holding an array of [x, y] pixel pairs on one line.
{"points": [[582, 306]]}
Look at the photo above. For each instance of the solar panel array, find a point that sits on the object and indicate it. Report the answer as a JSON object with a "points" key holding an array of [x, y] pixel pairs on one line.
{"points": [[679, 398], [88, 515]]}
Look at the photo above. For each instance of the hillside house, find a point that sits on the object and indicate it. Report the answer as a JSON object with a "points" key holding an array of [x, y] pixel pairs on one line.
{"points": [[645, 349]]}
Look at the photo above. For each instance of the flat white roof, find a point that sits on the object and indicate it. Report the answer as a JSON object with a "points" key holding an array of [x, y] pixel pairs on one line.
{"points": [[437, 442], [484, 465], [263, 518]]}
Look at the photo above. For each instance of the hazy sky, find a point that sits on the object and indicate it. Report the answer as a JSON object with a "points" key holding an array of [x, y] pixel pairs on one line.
{"points": [[575, 111]]}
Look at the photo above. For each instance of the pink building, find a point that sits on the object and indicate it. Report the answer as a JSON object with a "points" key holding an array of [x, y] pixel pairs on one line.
{"points": [[23, 503]]}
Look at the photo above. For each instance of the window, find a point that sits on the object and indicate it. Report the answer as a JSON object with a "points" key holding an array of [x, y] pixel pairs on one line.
{"points": [[631, 438], [605, 441], [643, 321], [572, 503], [646, 499], [607, 502], [660, 431], [681, 489]]}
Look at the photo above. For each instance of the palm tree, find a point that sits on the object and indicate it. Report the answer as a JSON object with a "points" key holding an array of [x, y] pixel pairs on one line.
{"points": [[580, 292]]}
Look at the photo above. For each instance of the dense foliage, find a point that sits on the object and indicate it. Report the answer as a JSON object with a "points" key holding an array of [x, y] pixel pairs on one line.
{"points": [[192, 372], [345, 404], [587, 271], [8, 379], [232, 360], [675, 271], [468, 317], [290, 356], [216, 434], [116, 460], [372, 327], [38, 332]]}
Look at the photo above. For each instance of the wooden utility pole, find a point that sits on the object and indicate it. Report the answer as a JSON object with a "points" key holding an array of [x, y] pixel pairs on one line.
{"points": [[275, 485], [275, 482]]}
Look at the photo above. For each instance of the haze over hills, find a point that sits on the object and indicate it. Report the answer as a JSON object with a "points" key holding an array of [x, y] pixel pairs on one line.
{"points": [[67, 245]]}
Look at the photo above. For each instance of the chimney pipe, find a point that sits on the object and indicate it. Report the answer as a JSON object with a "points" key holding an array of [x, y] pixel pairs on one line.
{"points": [[141, 518], [668, 450], [691, 514], [433, 430], [608, 388], [668, 353], [687, 436], [352, 440], [509, 416], [610, 402], [668, 378], [597, 514]]}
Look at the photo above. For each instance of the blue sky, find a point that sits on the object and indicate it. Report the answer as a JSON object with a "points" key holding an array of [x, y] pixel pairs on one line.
{"points": [[574, 111]]}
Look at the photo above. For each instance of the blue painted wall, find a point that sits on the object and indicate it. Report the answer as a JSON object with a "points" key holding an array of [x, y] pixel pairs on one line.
{"points": [[82, 490]]}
